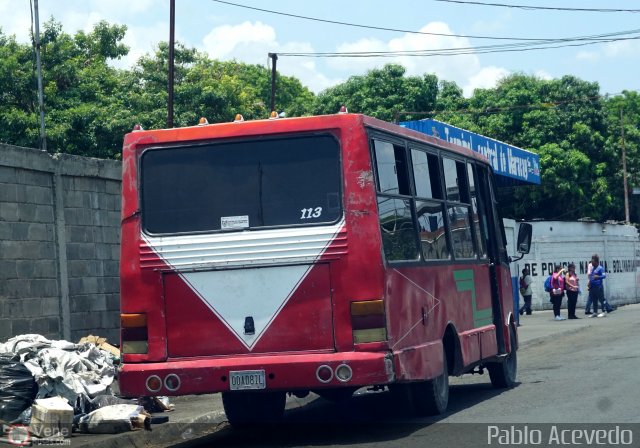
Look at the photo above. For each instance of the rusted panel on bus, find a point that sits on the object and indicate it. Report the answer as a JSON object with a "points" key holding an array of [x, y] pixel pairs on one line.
{"points": [[470, 346], [506, 293], [436, 295], [488, 342], [420, 362]]}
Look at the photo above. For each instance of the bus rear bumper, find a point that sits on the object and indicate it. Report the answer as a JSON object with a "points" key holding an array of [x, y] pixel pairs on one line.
{"points": [[281, 372]]}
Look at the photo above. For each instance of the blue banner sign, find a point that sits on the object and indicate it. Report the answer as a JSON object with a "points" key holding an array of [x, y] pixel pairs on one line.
{"points": [[506, 160]]}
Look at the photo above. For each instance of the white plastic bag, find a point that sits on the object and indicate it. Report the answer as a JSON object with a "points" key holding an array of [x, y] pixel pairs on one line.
{"points": [[115, 419]]}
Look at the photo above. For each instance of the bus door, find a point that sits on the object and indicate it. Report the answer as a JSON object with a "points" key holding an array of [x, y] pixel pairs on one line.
{"points": [[492, 237]]}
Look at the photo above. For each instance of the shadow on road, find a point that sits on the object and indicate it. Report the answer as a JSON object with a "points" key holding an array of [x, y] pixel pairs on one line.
{"points": [[366, 418]]}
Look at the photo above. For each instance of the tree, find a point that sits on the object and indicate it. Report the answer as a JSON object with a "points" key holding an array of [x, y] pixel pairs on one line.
{"points": [[81, 91], [563, 121], [18, 114], [381, 93], [217, 90], [89, 105], [624, 107]]}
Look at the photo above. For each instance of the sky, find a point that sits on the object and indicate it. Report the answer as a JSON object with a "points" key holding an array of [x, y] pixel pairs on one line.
{"points": [[228, 32]]}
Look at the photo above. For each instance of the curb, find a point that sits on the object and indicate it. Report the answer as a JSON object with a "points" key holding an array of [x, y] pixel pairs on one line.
{"points": [[165, 434]]}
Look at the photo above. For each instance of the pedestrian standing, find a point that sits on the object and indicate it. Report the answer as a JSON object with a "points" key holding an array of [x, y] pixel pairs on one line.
{"points": [[557, 291], [572, 286], [587, 308], [526, 291], [596, 287]]}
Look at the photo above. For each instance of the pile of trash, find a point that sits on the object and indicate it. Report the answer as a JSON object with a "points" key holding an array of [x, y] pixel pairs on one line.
{"points": [[77, 372], [59, 386]]}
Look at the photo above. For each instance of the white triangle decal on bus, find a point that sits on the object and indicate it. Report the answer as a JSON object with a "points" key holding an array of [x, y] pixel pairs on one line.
{"points": [[237, 294]]}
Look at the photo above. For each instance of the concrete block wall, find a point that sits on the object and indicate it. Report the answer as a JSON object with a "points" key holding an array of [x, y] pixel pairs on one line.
{"points": [[59, 245]]}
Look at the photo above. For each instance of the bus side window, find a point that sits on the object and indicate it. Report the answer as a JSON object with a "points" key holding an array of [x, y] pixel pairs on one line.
{"points": [[397, 229], [391, 164], [452, 189], [426, 174], [459, 215], [461, 239], [478, 217], [433, 234]]}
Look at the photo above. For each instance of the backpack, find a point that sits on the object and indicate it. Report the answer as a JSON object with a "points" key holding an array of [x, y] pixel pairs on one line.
{"points": [[547, 284], [523, 286]]}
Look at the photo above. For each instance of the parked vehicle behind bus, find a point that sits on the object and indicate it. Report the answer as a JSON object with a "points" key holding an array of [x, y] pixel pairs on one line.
{"points": [[321, 254]]}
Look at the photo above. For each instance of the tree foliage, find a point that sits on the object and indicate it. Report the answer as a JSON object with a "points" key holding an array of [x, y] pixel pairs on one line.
{"points": [[381, 93], [563, 121], [90, 105]]}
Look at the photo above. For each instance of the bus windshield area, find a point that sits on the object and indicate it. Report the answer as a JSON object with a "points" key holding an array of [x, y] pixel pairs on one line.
{"points": [[239, 185]]}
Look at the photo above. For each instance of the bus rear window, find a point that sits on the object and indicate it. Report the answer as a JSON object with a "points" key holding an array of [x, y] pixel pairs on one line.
{"points": [[241, 185]]}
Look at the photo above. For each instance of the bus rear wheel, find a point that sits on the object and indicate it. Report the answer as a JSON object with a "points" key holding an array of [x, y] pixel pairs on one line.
{"points": [[253, 408], [432, 397], [503, 374]]}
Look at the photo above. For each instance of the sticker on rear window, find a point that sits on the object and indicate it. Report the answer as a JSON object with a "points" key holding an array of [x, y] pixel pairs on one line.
{"points": [[234, 222]]}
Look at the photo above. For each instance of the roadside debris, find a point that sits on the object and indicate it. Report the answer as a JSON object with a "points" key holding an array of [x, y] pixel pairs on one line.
{"points": [[155, 404], [77, 372], [107, 400], [17, 388], [51, 417], [115, 418], [102, 344], [71, 385]]}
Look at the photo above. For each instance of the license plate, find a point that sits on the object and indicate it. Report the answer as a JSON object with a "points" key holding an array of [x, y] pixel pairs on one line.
{"points": [[247, 380]]}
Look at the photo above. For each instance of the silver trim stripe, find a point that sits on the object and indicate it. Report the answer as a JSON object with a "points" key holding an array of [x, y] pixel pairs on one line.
{"points": [[247, 248]]}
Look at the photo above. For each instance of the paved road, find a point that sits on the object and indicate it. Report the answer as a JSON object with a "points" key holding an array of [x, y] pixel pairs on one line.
{"points": [[586, 375]]}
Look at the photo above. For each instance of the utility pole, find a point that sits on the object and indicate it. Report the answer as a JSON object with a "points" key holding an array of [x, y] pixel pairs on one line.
{"points": [[172, 25], [43, 135], [272, 104], [624, 171]]}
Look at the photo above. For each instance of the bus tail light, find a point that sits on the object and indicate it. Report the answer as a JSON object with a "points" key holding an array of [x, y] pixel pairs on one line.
{"points": [[324, 374], [135, 339], [368, 321], [172, 382], [153, 383], [344, 373]]}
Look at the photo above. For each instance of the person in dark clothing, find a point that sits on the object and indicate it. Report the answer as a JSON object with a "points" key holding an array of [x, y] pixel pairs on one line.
{"points": [[572, 286], [526, 291]]}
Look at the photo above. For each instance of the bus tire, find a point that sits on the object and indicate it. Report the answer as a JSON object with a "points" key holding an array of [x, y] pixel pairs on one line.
{"points": [[432, 397], [503, 374], [253, 408]]}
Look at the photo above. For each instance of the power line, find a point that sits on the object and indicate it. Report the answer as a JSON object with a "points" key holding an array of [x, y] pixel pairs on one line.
{"points": [[397, 30], [523, 44], [546, 8], [596, 38], [453, 51]]}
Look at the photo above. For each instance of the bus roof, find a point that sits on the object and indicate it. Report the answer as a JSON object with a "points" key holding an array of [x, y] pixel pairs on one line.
{"points": [[255, 128]]}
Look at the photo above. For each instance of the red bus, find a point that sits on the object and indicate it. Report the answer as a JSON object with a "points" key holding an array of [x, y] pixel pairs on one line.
{"points": [[317, 254]]}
